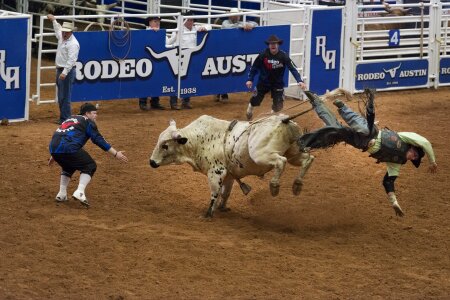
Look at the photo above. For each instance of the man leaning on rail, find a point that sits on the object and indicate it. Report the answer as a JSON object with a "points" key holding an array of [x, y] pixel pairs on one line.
{"points": [[66, 57]]}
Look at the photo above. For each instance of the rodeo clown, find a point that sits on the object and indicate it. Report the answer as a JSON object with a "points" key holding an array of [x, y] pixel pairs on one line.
{"points": [[66, 148], [271, 65], [385, 145]]}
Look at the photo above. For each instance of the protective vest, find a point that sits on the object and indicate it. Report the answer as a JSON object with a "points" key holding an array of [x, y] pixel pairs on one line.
{"points": [[392, 149]]}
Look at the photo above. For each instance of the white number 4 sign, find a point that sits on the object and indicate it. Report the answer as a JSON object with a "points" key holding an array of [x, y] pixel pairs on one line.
{"points": [[394, 38]]}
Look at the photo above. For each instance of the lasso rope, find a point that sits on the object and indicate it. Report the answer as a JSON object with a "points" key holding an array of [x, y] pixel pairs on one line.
{"points": [[119, 39]]}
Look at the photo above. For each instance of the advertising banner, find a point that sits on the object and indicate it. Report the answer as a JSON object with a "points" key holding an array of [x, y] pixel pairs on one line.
{"points": [[13, 68], [396, 74], [444, 70], [326, 40], [137, 63]]}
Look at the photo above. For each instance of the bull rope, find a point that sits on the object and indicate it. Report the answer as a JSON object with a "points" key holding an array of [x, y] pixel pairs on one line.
{"points": [[119, 41], [244, 187], [283, 110]]}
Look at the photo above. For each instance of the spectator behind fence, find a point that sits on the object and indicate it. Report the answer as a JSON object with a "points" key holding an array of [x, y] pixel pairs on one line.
{"points": [[235, 22], [66, 57], [154, 23], [271, 65], [188, 40]]}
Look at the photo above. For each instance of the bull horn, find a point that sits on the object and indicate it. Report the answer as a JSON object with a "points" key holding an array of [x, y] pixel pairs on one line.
{"points": [[112, 5], [172, 123], [176, 135], [406, 10]]}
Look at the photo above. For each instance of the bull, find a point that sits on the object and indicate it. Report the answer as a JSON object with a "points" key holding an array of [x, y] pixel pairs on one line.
{"points": [[228, 151], [390, 12]]}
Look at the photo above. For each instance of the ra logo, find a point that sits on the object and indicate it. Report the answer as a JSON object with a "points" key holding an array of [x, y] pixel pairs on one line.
{"points": [[173, 57], [328, 56], [9, 75]]}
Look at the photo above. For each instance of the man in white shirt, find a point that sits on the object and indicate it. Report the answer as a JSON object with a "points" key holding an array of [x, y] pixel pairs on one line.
{"points": [[188, 40], [66, 57], [235, 21]]}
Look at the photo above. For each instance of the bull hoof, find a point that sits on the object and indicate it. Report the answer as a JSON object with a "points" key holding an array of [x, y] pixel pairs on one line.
{"points": [[224, 209], [297, 187], [274, 189], [245, 188], [209, 214]]}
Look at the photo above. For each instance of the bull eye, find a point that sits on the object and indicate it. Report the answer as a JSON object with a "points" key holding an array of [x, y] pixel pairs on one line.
{"points": [[165, 147]]}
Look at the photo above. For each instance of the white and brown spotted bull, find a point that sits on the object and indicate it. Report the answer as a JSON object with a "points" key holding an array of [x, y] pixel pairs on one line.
{"points": [[227, 151]]}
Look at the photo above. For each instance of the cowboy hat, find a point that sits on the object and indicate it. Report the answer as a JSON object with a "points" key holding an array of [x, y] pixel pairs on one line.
{"points": [[234, 10], [67, 27], [273, 39]]}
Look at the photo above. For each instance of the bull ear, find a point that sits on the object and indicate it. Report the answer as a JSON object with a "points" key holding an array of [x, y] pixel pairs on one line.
{"points": [[173, 123], [182, 140]]}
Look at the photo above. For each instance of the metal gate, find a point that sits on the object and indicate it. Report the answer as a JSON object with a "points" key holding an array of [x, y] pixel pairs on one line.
{"points": [[391, 52]]}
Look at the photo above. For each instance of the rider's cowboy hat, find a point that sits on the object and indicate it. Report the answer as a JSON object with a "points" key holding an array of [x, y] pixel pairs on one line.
{"points": [[273, 39]]}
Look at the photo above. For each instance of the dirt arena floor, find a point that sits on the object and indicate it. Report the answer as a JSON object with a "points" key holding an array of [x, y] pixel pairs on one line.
{"points": [[144, 236]]}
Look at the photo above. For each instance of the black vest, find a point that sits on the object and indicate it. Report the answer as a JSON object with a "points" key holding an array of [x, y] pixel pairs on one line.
{"points": [[392, 149]]}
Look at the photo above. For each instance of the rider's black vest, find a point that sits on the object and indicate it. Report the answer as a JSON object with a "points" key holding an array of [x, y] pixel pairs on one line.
{"points": [[392, 149]]}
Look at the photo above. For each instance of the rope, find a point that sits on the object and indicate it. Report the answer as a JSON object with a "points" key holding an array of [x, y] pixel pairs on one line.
{"points": [[285, 121], [120, 38], [268, 115]]}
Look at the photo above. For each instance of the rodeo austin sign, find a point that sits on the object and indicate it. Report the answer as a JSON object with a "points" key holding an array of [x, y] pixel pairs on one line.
{"points": [[400, 73], [148, 68]]}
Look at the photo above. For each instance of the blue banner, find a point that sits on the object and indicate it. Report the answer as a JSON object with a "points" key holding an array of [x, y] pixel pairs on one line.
{"points": [[221, 67], [444, 70], [117, 65], [138, 64], [325, 50], [405, 73], [13, 68]]}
